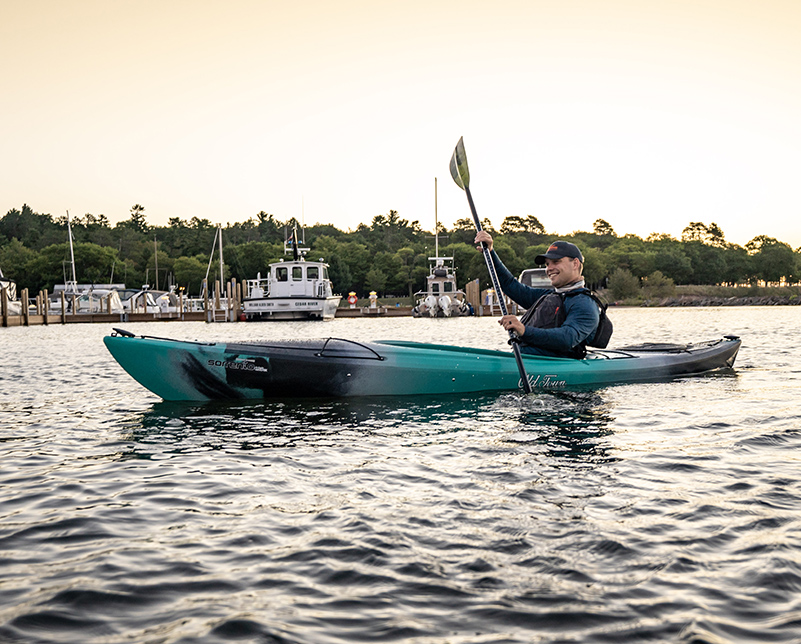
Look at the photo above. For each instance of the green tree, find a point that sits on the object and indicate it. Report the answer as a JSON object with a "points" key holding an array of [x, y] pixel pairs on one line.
{"points": [[673, 263], [774, 261], [250, 259], [375, 280], [33, 230], [529, 257], [714, 236], [463, 231], [404, 275], [596, 267], [534, 226], [339, 273], [657, 286], [51, 266], [697, 231], [709, 264], [694, 231], [189, 273], [358, 259], [137, 220], [642, 263], [14, 260], [513, 224], [738, 265], [389, 264], [463, 255], [603, 227], [623, 285]]}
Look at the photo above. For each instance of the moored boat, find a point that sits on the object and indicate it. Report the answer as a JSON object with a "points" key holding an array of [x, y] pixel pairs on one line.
{"points": [[293, 290], [332, 367], [9, 304], [442, 298]]}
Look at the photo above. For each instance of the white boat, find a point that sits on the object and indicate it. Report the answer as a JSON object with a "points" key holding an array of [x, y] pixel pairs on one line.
{"points": [[140, 300], [99, 300], [535, 277], [169, 302], [297, 289], [442, 298], [14, 306], [85, 298]]}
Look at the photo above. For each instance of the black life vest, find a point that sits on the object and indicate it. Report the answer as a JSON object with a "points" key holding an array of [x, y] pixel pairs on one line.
{"points": [[549, 312]]}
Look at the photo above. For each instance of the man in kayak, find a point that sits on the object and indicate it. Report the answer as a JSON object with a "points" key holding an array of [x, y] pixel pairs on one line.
{"points": [[559, 321]]}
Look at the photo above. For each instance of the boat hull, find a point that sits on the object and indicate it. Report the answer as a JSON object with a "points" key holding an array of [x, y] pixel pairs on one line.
{"points": [[181, 370], [291, 308]]}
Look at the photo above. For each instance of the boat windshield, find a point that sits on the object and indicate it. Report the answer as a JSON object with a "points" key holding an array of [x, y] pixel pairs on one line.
{"points": [[313, 272], [281, 274]]}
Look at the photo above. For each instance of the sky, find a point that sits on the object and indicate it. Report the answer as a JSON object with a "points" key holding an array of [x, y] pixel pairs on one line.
{"points": [[649, 114]]}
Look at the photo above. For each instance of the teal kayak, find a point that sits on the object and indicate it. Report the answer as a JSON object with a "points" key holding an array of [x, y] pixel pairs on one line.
{"points": [[333, 367]]}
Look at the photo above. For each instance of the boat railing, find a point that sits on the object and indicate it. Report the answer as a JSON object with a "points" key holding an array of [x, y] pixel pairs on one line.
{"points": [[259, 287]]}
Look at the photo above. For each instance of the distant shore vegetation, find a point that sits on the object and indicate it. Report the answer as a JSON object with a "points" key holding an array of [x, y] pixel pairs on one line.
{"points": [[390, 255]]}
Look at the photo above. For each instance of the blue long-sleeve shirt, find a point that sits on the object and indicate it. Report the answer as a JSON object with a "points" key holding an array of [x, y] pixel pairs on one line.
{"points": [[581, 316]]}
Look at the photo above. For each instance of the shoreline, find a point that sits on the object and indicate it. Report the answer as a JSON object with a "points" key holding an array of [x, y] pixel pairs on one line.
{"points": [[715, 301]]}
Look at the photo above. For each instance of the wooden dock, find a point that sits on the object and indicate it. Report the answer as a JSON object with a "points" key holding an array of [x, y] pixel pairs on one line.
{"points": [[215, 309]]}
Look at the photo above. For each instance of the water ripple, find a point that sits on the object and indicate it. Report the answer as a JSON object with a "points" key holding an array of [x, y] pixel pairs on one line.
{"points": [[664, 512]]}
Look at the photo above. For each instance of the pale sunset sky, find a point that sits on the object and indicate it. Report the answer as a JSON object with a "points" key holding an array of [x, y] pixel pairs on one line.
{"points": [[649, 114]]}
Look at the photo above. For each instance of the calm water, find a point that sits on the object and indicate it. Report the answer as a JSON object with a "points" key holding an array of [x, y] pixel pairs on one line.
{"points": [[665, 512]]}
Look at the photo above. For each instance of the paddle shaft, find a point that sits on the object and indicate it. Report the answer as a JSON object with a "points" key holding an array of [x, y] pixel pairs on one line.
{"points": [[496, 285]]}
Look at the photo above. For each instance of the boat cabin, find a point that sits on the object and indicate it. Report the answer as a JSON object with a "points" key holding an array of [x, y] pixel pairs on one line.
{"points": [[292, 279], [442, 298], [295, 289]]}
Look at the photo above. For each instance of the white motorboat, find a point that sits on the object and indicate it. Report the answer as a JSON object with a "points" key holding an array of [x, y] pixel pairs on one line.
{"points": [[442, 298], [296, 289]]}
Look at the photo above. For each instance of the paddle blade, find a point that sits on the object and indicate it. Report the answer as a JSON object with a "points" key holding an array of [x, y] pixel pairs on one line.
{"points": [[459, 171]]}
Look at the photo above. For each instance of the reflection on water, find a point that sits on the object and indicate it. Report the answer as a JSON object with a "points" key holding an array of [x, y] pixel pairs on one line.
{"points": [[570, 425], [567, 424]]}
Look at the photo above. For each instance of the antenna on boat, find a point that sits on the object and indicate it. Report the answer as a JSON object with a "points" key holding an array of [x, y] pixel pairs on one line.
{"points": [[295, 249], [303, 219], [436, 223]]}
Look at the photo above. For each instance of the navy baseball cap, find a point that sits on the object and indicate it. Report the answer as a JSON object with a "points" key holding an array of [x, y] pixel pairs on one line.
{"points": [[559, 249]]}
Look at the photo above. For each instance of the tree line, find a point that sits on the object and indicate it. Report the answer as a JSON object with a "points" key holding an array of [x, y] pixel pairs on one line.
{"points": [[390, 255]]}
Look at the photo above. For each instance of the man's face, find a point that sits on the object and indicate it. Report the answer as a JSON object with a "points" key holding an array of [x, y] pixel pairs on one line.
{"points": [[563, 271]]}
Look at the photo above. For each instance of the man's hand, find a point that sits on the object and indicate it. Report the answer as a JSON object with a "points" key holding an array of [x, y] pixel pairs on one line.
{"points": [[483, 236], [512, 323]]}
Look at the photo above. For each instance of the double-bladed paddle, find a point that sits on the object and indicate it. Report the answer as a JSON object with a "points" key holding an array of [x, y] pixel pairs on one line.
{"points": [[461, 175]]}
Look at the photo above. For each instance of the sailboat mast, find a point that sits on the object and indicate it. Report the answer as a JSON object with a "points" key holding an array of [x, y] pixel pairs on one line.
{"points": [[156, 256], [222, 265], [72, 255]]}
